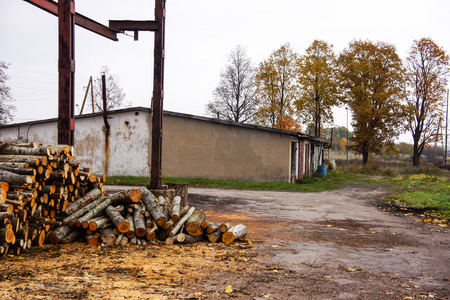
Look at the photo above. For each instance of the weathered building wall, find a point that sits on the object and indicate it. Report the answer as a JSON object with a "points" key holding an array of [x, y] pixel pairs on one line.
{"points": [[196, 148], [192, 146], [124, 152], [38, 132]]}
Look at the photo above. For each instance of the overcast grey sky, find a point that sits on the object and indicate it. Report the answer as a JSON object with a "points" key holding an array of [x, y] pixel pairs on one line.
{"points": [[199, 36]]}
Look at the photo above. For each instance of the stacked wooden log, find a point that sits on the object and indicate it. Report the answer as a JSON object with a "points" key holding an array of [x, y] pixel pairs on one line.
{"points": [[46, 196], [137, 216], [37, 183]]}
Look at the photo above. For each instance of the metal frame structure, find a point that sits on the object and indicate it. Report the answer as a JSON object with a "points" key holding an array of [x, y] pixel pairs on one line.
{"points": [[67, 19]]}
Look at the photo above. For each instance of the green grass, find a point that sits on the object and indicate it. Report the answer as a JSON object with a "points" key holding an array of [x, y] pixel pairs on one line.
{"points": [[423, 192], [332, 181]]}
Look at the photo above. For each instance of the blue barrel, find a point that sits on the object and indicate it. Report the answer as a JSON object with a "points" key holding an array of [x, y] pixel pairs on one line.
{"points": [[322, 170]]}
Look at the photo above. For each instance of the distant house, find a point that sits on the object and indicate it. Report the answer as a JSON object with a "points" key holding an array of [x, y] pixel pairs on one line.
{"points": [[193, 146]]}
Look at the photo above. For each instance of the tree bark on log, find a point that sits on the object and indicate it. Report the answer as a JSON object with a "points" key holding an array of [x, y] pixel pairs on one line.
{"points": [[215, 236], [139, 223], [6, 214], [189, 239], [212, 228], [71, 237], [150, 234], [224, 227], [130, 233], [82, 211], [126, 197], [11, 149], [149, 201], [20, 171], [11, 164], [176, 208], [193, 224], [181, 222], [237, 232], [124, 241], [180, 190], [91, 239], [59, 233], [15, 178], [118, 239], [6, 235], [31, 159], [108, 237], [83, 201], [171, 240], [116, 218], [97, 223], [93, 212]]}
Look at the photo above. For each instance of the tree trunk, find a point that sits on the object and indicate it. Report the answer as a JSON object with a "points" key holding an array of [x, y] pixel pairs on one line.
{"points": [[171, 240], [91, 239], [59, 233], [98, 223], [237, 232], [6, 208], [92, 213], [224, 227], [20, 171], [149, 201], [180, 190], [416, 154], [189, 239], [83, 201], [11, 149], [139, 223], [33, 160], [15, 178], [117, 219], [118, 239], [126, 197], [108, 237], [131, 232], [193, 224], [6, 235], [215, 236], [176, 208], [365, 155], [212, 228], [181, 222], [14, 164], [82, 211], [71, 237]]}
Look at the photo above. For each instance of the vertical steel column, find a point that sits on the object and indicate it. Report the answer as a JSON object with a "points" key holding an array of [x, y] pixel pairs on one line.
{"points": [[66, 70], [158, 96]]}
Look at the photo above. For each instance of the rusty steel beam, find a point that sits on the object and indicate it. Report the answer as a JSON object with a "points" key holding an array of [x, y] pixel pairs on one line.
{"points": [[124, 25], [66, 70], [158, 96], [80, 20]]}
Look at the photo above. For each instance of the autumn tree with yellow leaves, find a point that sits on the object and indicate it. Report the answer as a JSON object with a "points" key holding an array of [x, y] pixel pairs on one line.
{"points": [[427, 67], [372, 78], [318, 86], [277, 89]]}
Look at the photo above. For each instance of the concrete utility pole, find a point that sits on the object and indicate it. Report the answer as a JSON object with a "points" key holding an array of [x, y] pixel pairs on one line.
{"points": [[347, 135], [446, 132]]}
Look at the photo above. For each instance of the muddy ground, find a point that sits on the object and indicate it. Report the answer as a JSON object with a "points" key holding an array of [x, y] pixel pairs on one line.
{"points": [[344, 244]]}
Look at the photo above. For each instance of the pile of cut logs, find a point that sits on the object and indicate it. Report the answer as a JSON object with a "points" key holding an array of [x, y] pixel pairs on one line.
{"points": [[37, 184], [137, 216], [46, 196]]}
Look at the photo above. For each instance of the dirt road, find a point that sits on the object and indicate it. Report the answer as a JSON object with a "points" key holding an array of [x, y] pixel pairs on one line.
{"points": [[334, 245]]}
